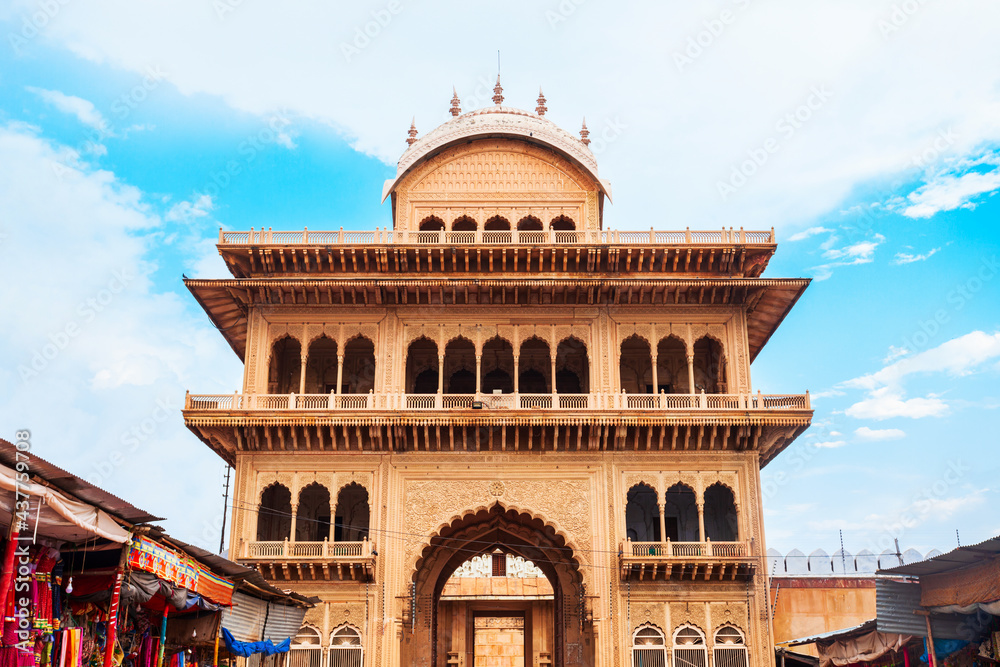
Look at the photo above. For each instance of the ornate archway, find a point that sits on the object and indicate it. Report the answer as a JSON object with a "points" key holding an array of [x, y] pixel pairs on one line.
{"points": [[510, 531]]}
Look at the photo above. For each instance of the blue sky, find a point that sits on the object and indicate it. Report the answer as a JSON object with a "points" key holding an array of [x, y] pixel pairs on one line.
{"points": [[865, 133]]}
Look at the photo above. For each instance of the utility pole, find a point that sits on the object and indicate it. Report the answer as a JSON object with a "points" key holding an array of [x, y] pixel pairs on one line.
{"points": [[225, 507]]}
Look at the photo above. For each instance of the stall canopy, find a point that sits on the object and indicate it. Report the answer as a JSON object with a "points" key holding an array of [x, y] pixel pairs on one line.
{"points": [[860, 644], [56, 515], [897, 604]]}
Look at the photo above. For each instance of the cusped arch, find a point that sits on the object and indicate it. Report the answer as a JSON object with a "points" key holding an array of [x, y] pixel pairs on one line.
{"points": [[689, 625], [728, 624], [650, 483], [278, 337], [271, 484]]}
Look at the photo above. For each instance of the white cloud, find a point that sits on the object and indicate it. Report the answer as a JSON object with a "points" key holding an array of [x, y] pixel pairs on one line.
{"points": [[865, 433], [908, 258], [188, 211], [689, 121], [862, 252], [806, 233], [830, 444], [895, 353], [960, 186], [84, 110]]}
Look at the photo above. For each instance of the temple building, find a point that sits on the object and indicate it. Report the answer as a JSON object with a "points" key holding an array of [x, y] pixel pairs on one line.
{"points": [[497, 434]]}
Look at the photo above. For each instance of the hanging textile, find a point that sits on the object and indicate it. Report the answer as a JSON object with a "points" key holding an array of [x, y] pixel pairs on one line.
{"points": [[246, 649]]}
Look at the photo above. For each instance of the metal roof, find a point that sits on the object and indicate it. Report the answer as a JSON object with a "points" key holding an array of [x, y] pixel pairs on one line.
{"points": [[76, 486], [864, 628], [896, 604], [953, 560]]}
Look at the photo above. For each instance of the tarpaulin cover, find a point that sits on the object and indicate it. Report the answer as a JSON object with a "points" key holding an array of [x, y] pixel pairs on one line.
{"points": [[970, 585], [179, 569], [60, 516], [246, 649], [861, 648], [943, 648], [138, 588]]}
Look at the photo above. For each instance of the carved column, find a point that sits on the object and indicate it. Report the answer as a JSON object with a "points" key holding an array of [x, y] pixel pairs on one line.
{"points": [[701, 522], [663, 524], [340, 371], [656, 376], [739, 522], [691, 374], [302, 375], [517, 373], [440, 373], [479, 373], [295, 516], [552, 358]]}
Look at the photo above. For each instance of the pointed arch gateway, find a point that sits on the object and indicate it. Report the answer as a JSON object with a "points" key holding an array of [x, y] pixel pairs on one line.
{"points": [[488, 530]]}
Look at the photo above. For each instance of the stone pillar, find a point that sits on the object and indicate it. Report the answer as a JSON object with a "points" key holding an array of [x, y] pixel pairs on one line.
{"points": [[517, 373], [663, 523], [656, 376], [552, 358], [479, 373], [295, 516], [302, 375], [440, 373], [701, 522], [340, 371], [739, 522], [691, 389]]}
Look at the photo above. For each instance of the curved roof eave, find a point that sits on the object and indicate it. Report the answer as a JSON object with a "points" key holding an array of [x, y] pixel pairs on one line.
{"points": [[530, 129]]}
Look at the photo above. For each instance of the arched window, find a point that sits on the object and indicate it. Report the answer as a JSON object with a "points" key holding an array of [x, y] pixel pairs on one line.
{"points": [[572, 367], [529, 224], [351, 520], [730, 649], [534, 367], [720, 514], [274, 520], [422, 367], [312, 516], [306, 649], [680, 514], [642, 515], [709, 366], [285, 368], [562, 223], [498, 367], [463, 224], [635, 366], [460, 367], [345, 648], [497, 224], [359, 367], [321, 366], [689, 648], [671, 366], [431, 224], [648, 648]]}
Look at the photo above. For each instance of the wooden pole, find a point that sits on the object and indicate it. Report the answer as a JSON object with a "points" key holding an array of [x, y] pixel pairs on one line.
{"points": [[112, 623], [215, 651], [8, 564], [163, 634], [931, 654]]}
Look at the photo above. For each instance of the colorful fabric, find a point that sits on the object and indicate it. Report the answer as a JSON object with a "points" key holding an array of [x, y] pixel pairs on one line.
{"points": [[216, 589], [246, 649], [146, 555]]}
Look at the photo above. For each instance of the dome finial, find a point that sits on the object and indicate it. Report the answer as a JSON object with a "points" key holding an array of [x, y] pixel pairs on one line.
{"points": [[456, 104], [412, 134], [584, 134], [498, 92], [541, 108]]}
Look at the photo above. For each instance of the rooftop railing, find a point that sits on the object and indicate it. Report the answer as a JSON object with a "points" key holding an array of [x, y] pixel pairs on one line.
{"points": [[495, 402], [668, 549], [511, 237], [324, 550]]}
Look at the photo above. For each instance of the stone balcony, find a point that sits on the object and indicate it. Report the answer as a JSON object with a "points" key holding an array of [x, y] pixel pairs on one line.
{"points": [[287, 560], [687, 561]]}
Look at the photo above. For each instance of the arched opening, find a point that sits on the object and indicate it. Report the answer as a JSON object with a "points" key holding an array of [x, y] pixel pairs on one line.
{"points": [[497, 224], [284, 371], [708, 366], [680, 514], [312, 516], [635, 366], [720, 514], [689, 647], [274, 519], [441, 633], [460, 367], [351, 522], [346, 647], [306, 649], [562, 223], [649, 647], [530, 223], [498, 367], [321, 366], [534, 367], [572, 367], [422, 367], [642, 514], [359, 366], [431, 223], [671, 366], [463, 224], [730, 648]]}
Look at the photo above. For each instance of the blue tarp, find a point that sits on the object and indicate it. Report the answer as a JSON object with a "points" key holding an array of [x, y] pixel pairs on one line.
{"points": [[246, 649], [943, 648]]}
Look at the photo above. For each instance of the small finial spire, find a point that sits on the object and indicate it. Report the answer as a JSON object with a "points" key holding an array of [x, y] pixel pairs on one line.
{"points": [[498, 92], [584, 133], [412, 134], [456, 104], [541, 108]]}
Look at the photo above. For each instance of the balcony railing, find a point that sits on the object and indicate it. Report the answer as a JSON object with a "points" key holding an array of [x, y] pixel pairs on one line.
{"points": [[512, 237], [326, 550], [531, 402], [684, 550]]}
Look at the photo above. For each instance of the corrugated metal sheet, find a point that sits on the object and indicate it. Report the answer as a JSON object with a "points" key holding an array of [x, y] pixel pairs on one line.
{"points": [[895, 603], [953, 560], [247, 616]]}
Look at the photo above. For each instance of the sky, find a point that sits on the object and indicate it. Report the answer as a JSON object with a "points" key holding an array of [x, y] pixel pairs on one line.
{"points": [[866, 132]]}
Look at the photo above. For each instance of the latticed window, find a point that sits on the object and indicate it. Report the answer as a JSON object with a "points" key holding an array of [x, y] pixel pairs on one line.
{"points": [[306, 649], [499, 564], [648, 648], [689, 648], [730, 649], [345, 648]]}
